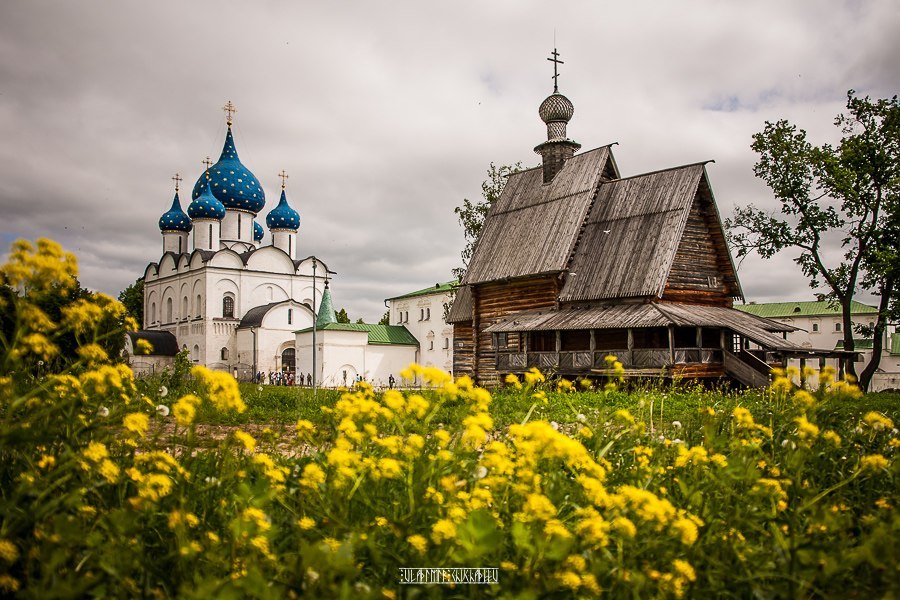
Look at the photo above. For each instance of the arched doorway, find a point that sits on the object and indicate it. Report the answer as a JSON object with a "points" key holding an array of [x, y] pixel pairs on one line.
{"points": [[288, 360]]}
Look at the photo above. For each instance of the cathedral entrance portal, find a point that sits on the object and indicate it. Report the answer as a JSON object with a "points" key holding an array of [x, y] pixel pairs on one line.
{"points": [[288, 360]]}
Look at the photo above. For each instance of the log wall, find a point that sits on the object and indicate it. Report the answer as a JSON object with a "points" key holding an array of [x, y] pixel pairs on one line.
{"points": [[491, 302]]}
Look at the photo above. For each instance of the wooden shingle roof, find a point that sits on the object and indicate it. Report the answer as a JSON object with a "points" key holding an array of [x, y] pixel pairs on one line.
{"points": [[532, 228], [631, 235]]}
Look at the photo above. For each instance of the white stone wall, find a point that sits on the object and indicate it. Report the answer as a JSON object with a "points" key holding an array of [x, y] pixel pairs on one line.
{"points": [[348, 352], [423, 316]]}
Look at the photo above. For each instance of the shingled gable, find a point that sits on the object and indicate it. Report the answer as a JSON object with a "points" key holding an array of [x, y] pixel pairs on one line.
{"points": [[533, 227], [649, 235]]}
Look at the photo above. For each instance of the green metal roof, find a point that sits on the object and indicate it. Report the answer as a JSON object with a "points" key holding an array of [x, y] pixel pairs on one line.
{"points": [[326, 310], [895, 343], [392, 335], [858, 344], [437, 288], [803, 309]]}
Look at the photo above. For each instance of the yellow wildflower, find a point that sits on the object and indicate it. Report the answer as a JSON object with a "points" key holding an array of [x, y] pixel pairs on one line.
{"points": [[222, 388], [184, 411], [806, 431], [137, 423], [95, 452], [873, 462], [418, 542], [533, 377], [142, 346], [305, 428], [8, 551], [877, 421], [306, 523], [832, 437], [246, 440], [443, 530], [313, 476], [512, 380]]}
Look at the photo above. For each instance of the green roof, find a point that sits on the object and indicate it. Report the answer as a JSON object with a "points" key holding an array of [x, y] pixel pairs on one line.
{"points": [[895, 343], [803, 309], [326, 310], [396, 335], [438, 288], [857, 344]]}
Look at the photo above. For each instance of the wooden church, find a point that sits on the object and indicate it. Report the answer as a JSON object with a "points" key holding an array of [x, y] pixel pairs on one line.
{"points": [[576, 262]]}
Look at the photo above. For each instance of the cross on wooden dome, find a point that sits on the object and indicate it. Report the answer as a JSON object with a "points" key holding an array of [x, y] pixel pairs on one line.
{"points": [[284, 177], [555, 60], [229, 111], [177, 179]]}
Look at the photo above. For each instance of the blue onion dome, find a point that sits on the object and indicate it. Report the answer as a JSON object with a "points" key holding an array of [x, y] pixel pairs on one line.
{"points": [[283, 216], [258, 232], [206, 206], [231, 182], [174, 219]]}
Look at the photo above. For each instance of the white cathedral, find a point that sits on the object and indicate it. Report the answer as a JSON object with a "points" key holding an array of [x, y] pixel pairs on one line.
{"points": [[228, 300]]}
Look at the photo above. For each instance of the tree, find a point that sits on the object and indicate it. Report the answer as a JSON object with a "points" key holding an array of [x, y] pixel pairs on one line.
{"points": [[471, 214], [360, 321], [342, 316], [132, 298], [385, 318], [851, 191]]}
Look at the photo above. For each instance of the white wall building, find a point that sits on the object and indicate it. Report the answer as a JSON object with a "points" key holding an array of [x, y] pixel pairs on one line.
{"points": [[820, 326], [422, 313], [345, 351], [229, 300]]}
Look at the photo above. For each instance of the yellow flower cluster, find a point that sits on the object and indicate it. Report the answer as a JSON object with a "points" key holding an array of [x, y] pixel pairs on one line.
{"points": [[221, 388], [40, 271]]}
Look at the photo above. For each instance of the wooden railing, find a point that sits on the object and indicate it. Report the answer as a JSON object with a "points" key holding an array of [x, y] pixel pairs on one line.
{"points": [[586, 360]]}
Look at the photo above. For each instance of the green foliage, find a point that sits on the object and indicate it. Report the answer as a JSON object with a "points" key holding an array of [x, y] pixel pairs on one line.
{"points": [[385, 318], [471, 214], [132, 298], [851, 191], [342, 316]]}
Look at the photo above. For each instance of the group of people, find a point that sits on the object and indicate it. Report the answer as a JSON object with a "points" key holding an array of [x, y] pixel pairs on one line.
{"points": [[289, 378], [284, 378]]}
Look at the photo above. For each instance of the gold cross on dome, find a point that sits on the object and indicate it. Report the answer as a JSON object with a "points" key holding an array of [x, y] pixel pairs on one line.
{"points": [[555, 60], [207, 162], [229, 111], [284, 177], [177, 179]]}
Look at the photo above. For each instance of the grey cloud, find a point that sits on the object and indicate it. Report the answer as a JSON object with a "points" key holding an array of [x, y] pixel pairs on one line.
{"points": [[387, 116]]}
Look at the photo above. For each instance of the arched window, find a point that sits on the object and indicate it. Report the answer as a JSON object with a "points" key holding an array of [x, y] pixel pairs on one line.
{"points": [[198, 307], [152, 312], [184, 308], [224, 353], [228, 307], [168, 310], [195, 353], [288, 360]]}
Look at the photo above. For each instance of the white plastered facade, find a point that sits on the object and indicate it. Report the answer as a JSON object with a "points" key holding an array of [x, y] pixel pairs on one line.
{"points": [[341, 356], [423, 316], [186, 294]]}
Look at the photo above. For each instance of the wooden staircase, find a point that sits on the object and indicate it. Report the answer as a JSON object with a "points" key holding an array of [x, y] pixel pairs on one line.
{"points": [[747, 369]]}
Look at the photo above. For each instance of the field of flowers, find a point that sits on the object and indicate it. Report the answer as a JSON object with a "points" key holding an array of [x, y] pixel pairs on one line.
{"points": [[114, 487]]}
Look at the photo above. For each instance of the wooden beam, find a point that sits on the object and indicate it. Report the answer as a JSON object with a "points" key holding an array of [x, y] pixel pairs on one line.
{"points": [[672, 344]]}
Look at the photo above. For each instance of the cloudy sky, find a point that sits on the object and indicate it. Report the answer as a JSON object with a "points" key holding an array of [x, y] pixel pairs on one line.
{"points": [[387, 114]]}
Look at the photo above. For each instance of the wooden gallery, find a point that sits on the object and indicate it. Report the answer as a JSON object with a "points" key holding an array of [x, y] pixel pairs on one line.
{"points": [[576, 262]]}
